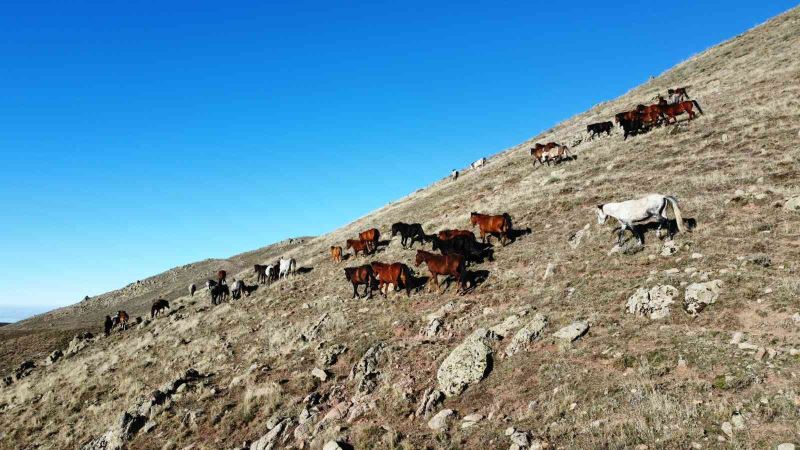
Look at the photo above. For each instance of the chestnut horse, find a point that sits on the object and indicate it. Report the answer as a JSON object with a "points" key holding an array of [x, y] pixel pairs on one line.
{"points": [[336, 254], [395, 274], [221, 275], [358, 246], [370, 236], [488, 225], [122, 319], [446, 235], [452, 265], [358, 276], [671, 111]]}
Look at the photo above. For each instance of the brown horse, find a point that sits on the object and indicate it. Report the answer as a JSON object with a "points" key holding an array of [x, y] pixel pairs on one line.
{"points": [[158, 307], [671, 111], [358, 276], [446, 235], [261, 273], [452, 265], [221, 275], [122, 319], [358, 246], [556, 154], [371, 236], [489, 225], [392, 274], [336, 254]]}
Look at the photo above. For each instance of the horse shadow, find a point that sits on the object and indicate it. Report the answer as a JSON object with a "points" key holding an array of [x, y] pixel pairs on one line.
{"points": [[305, 269], [475, 278], [689, 223], [250, 289], [416, 283], [518, 233]]}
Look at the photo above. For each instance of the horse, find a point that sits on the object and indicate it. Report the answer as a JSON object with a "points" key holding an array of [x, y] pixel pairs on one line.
{"points": [[370, 236], [122, 319], [680, 92], [488, 225], [210, 284], [287, 267], [394, 274], [464, 246], [630, 123], [158, 307], [412, 231], [454, 175], [107, 326], [557, 154], [221, 275], [358, 246], [450, 234], [478, 164], [599, 128], [260, 271], [358, 276], [237, 287], [539, 155], [272, 272], [336, 254], [452, 265], [192, 289], [640, 210], [219, 293], [671, 111]]}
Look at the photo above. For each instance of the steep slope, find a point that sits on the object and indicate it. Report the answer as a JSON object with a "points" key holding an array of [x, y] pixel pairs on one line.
{"points": [[726, 377]]}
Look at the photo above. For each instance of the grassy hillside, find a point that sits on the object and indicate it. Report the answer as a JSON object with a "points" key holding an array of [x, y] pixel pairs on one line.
{"points": [[299, 363]]}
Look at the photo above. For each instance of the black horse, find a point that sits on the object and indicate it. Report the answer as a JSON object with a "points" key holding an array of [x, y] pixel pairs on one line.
{"points": [[409, 233]]}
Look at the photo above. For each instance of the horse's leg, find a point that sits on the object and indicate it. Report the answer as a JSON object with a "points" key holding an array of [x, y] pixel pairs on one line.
{"points": [[355, 291]]}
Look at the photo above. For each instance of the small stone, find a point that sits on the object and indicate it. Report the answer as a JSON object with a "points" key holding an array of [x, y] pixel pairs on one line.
{"points": [[697, 255], [319, 373], [572, 331], [736, 338], [760, 353], [510, 431], [727, 428], [786, 446], [332, 445], [441, 421], [737, 421]]}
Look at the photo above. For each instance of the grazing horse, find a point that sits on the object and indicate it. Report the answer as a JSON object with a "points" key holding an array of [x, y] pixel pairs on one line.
{"points": [[221, 275], [260, 271], [158, 307], [192, 289], [478, 164], [489, 225], [641, 210], [336, 254], [107, 326], [450, 234], [358, 246], [394, 274], [287, 267], [219, 293], [412, 231], [599, 128], [370, 236], [358, 276], [462, 245], [122, 319], [452, 265], [671, 111]]}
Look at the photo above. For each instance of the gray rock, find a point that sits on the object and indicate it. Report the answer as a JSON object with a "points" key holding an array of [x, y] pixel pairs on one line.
{"points": [[433, 328], [53, 357], [471, 420], [699, 295], [572, 331], [441, 421], [319, 373], [330, 355], [653, 303], [786, 446], [365, 372], [271, 439], [467, 364], [576, 239], [792, 204], [505, 327], [527, 334], [332, 445], [669, 248], [430, 400]]}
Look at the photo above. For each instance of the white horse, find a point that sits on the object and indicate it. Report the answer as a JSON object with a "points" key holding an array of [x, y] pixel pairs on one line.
{"points": [[641, 210], [236, 288], [287, 267], [478, 163]]}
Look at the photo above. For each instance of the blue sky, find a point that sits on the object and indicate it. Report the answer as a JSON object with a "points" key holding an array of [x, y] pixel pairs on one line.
{"points": [[137, 136]]}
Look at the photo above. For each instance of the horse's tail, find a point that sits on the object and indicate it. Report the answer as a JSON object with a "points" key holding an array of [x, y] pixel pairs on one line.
{"points": [[673, 202], [508, 224], [697, 105]]}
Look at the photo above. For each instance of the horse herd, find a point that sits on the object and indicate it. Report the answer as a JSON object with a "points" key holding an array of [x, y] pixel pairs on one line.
{"points": [[457, 248]]}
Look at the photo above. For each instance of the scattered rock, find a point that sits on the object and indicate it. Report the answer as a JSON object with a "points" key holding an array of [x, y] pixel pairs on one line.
{"points": [[527, 334], [760, 259], [365, 372], [504, 328], [441, 421], [430, 400], [319, 373], [576, 239], [271, 439], [654, 303], [786, 446], [53, 357], [572, 331], [697, 255], [549, 271], [330, 355], [736, 338], [737, 421], [471, 420], [700, 295], [332, 445], [727, 428], [793, 204], [78, 343], [433, 328], [467, 364], [669, 248]]}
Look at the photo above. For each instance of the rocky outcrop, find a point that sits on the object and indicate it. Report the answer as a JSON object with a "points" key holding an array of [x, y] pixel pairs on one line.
{"points": [[653, 303], [430, 400], [78, 343], [527, 334], [467, 364], [365, 372], [272, 439]]}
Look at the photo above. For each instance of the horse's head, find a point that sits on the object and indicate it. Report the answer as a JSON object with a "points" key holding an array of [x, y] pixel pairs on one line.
{"points": [[601, 215], [395, 229], [473, 218], [420, 258], [349, 244], [348, 273]]}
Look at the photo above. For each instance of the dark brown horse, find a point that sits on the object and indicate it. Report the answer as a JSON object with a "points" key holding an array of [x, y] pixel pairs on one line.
{"points": [[394, 274], [261, 273], [371, 236], [336, 254], [158, 307], [488, 225], [671, 111], [122, 319], [452, 265], [221, 276], [358, 276], [446, 235], [358, 246]]}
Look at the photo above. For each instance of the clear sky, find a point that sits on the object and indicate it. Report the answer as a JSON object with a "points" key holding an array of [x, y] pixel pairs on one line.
{"points": [[137, 136]]}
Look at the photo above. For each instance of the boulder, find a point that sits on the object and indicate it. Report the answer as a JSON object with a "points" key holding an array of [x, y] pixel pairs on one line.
{"points": [[527, 334], [792, 204], [653, 302], [467, 364], [441, 421], [365, 372], [53, 357], [319, 373], [572, 331], [332, 445], [271, 439], [700, 295]]}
